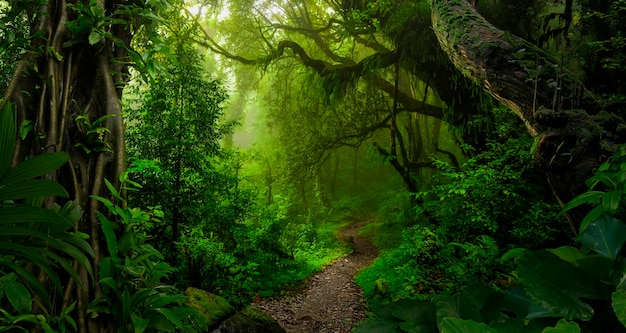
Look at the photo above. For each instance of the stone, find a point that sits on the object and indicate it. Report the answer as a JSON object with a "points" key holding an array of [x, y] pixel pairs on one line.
{"points": [[250, 320], [212, 308]]}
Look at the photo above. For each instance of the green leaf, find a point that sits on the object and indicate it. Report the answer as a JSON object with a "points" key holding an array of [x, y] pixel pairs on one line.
{"points": [[171, 316], [25, 215], [458, 325], [34, 167], [592, 216], [7, 137], [416, 314], [512, 254], [618, 301], [590, 197], [563, 326], [109, 234], [27, 126], [139, 324], [113, 190], [95, 36], [19, 297], [542, 272], [611, 200], [605, 236], [568, 253], [32, 189], [522, 305], [458, 306]]}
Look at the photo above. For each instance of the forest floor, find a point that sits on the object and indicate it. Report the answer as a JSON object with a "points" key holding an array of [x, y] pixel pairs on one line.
{"points": [[330, 301]]}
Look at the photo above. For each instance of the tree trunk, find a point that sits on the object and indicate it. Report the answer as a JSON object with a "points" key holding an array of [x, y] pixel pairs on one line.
{"points": [[548, 99], [54, 83]]}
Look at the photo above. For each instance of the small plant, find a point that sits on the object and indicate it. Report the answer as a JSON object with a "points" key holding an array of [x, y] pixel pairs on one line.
{"points": [[134, 296]]}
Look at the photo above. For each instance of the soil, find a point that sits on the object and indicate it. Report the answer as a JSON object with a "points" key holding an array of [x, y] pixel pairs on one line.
{"points": [[330, 301]]}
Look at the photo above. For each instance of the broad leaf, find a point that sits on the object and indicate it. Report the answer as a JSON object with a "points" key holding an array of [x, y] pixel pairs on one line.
{"points": [[32, 189], [171, 316], [34, 167], [378, 326], [568, 253], [37, 215], [7, 136], [19, 297], [458, 325], [590, 197], [611, 201], [109, 234], [563, 326], [591, 217], [420, 316], [139, 324], [618, 300], [556, 285], [522, 305], [605, 236], [455, 306]]}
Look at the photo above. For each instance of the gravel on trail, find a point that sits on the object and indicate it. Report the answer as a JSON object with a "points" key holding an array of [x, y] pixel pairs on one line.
{"points": [[330, 301]]}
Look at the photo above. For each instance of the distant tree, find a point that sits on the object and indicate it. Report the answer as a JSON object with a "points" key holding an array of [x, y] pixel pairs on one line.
{"points": [[173, 138]]}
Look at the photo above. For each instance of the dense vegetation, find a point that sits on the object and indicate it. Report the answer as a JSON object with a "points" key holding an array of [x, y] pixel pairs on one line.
{"points": [[151, 146]]}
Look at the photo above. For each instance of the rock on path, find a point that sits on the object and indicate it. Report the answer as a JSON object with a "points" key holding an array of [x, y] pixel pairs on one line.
{"points": [[331, 301]]}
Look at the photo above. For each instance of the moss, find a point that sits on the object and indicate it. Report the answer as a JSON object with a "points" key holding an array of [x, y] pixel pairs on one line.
{"points": [[251, 320], [212, 308]]}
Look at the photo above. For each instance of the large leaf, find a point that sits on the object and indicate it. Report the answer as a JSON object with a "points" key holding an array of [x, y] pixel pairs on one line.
{"points": [[18, 296], [556, 285], [523, 305], [34, 167], [32, 189], [563, 326], [597, 266], [605, 236], [418, 316], [109, 234], [618, 300], [378, 326], [458, 325], [35, 215], [7, 137], [455, 306]]}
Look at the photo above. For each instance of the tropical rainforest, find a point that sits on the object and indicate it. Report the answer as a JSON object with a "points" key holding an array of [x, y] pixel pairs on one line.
{"points": [[155, 150]]}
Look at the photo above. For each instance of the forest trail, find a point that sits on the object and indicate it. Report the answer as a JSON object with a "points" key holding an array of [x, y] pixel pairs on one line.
{"points": [[330, 301]]}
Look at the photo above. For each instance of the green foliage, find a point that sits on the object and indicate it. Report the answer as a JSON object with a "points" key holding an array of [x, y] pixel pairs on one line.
{"points": [[487, 196], [495, 203], [606, 190], [93, 134], [36, 236], [134, 296], [591, 297]]}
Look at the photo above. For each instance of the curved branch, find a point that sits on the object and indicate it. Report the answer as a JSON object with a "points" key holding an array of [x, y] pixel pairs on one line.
{"points": [[517, 73]]}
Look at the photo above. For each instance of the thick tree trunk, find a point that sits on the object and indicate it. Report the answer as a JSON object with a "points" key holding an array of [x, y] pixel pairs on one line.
{"points": [[555, 107], [53, 85]]}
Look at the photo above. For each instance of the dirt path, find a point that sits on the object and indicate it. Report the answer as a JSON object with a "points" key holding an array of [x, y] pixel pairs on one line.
{"points": [[330, 301]]}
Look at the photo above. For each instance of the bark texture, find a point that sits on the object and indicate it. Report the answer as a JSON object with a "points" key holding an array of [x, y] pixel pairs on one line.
{"points": [[573, 134], [61, 78]]}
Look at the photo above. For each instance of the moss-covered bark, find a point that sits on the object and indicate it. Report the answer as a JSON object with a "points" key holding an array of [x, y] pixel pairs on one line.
{"points": [[570, 144]]}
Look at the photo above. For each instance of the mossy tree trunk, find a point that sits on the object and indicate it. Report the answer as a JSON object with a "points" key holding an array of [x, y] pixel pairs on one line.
{"points": [[572, 138]]}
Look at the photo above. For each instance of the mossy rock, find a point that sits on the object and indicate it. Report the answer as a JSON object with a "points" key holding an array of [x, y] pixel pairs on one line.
{"points": [[212, 308], [250, 320]]}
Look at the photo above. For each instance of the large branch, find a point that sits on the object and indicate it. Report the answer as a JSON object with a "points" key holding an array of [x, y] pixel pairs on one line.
{"points": [[570, 144], [515, 72]]}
